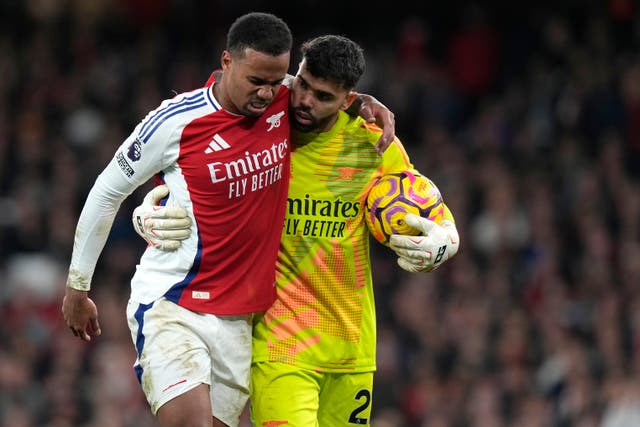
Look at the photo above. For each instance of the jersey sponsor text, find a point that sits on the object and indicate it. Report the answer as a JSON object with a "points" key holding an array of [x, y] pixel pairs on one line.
{"points": [[252, 164]]}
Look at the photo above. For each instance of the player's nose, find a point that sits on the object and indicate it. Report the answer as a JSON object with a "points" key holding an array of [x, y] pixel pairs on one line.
{"points": [[266, 92], [306, 99]]}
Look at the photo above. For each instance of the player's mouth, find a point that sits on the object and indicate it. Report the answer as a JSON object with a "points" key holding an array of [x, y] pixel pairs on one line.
{"points": [[303, 118], [257, 107]]}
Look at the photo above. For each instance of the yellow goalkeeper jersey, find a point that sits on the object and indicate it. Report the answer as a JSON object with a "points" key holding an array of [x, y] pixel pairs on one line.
{"points": [[324, 315]]}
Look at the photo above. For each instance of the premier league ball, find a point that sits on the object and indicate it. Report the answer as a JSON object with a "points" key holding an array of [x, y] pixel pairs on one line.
{"points": [[395, 195]]}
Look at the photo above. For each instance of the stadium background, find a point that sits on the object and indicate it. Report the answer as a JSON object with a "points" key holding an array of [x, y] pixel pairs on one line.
{"points": [[526, 115]]}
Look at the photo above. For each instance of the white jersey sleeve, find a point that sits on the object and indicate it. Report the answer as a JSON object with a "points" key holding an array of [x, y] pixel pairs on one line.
{"points": [[151, 148], [94, 224]]}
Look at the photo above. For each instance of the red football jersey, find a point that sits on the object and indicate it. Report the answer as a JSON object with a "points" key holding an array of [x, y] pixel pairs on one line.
{"points": [[231, 173]]}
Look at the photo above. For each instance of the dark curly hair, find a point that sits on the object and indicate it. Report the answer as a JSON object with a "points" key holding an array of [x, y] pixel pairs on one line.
{"points": [[335, 58], [259, 31]]}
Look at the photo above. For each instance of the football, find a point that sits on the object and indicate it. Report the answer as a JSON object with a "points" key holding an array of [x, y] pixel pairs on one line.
{"points": [[393, 196]]}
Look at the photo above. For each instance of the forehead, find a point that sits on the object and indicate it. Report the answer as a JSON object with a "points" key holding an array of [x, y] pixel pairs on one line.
{"points": [[262, 65], [318, 83]]}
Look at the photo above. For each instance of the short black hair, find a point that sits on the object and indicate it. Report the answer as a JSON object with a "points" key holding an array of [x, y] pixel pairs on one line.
{"points": [[334, 58], [262, 32]]}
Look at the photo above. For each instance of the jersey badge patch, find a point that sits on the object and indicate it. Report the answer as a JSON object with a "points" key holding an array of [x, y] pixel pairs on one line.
{"points": [[125, 167], [274, 120], [135, 150]]}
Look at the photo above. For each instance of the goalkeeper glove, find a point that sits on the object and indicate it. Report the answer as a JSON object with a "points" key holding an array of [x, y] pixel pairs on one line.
{"points": [[426, 252], [161, 226]]}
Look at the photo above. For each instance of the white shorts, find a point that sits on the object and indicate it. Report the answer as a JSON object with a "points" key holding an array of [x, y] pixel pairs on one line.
{"points": [[179, 349]]}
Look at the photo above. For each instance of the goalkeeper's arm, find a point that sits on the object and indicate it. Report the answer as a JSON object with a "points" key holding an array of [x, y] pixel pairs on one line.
{"points": [[163, 227], [426, 252]]}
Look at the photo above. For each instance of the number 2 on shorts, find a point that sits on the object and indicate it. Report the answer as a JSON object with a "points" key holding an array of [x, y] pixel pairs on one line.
{"points": [[354, 417]]}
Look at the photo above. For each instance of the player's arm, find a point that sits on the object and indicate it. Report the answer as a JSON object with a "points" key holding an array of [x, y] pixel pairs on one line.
{"points": [[133, 164], [427, 251], [373, 111], [435, 243], [163, 227], [78, 310]]}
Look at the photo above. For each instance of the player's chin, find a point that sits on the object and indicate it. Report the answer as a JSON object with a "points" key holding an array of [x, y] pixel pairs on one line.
{"points": [[300, 127], [302, 124]]}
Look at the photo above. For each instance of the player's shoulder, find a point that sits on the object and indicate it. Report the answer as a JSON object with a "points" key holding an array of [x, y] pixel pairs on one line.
{"points": [[357, 127], [177, 111], [288, 81], [181, 103], [283, 92]]}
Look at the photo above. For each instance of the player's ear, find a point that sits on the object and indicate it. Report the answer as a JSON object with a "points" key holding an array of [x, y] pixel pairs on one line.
{"points": [[351, 96], [225, 59]]}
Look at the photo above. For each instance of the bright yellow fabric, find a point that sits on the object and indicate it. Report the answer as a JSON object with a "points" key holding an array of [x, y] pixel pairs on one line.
{"points": [[285, 395], [324, 317]]}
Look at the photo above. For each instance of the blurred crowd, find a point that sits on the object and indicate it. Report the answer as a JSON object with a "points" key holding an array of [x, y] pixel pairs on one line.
{"points": [[528, 119]]}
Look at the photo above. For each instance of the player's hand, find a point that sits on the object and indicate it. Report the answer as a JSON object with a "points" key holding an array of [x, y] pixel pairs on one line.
{"points": [[426, 252], [161, 226], [373, 111], [80, 314]]}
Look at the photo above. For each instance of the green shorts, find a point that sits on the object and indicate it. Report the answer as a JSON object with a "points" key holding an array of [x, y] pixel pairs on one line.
{"points": [[283, 394]]}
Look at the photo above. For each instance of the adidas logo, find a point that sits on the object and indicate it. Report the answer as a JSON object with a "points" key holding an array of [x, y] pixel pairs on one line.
{"points": [[217, 144]]}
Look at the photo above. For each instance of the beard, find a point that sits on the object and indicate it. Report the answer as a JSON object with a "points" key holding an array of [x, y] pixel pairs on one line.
{"points": [[310, 123], [302, 127]]}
